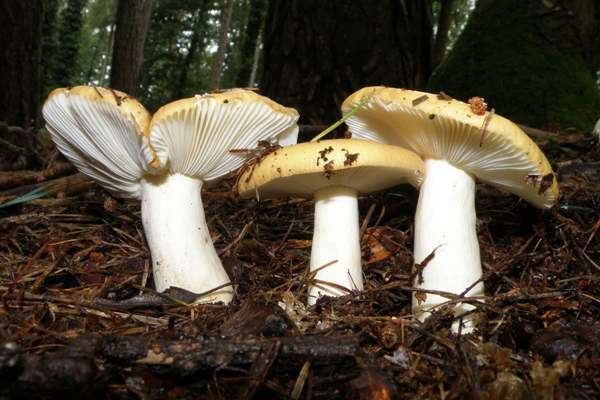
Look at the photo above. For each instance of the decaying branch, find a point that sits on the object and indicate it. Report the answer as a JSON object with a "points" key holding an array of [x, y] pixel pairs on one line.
{"points": [[208, 352], [77, 368]]}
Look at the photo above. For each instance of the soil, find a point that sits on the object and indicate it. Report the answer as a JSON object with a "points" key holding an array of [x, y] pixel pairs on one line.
{"points": [[79, 318]]}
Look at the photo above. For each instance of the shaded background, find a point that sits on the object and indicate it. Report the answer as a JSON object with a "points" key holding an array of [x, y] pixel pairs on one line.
{"points": [[534, 61]]}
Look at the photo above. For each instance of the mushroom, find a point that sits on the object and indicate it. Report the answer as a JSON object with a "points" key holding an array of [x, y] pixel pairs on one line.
{"points": [[460, 143], [334, 173], [164, 162]]}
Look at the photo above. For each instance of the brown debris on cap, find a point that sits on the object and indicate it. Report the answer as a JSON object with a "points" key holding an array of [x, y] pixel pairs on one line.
{"points": [[303, 169], [481, 142]]}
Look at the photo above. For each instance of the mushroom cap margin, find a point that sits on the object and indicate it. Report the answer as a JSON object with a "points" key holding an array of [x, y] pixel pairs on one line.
{"points": [[303, 169], [488, 146], [195, 136]]}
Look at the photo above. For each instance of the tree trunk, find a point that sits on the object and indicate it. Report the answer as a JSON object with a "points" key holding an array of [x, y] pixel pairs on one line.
{"points": [[105, 61], [217, 67], [530, 60], [318, 52], [20, 52], [251, 41], [255, 60], [133, 20], [49, 45], [443, 28]]}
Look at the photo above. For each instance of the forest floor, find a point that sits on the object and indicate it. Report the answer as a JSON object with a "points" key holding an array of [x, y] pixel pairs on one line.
{"points": [[77, 318]]}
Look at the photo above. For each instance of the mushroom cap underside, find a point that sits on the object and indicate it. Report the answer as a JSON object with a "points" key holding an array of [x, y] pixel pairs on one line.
{"points": [[100, 131], [110, 137], [123, 102], [196, 136]]}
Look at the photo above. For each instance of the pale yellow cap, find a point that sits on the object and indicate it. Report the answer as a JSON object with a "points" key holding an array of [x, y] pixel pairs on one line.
{"points": [[305, 168], [126, 104], [231, 96], [484, 144]]}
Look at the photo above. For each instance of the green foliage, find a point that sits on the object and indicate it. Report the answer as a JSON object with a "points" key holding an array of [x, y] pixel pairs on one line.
{"points": [[178, 53], [173, 26], [237, 34], [77, 42], [499, 56], [64, 60], [96, 42], [180, 47], [256, 15]]}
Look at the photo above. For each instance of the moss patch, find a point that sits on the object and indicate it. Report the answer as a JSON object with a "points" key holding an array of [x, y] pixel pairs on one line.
{"points": [[509, 54]]}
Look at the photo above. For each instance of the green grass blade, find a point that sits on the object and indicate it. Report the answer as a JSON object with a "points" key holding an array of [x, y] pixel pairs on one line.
{"points": [[34, 194], [340, 121]]}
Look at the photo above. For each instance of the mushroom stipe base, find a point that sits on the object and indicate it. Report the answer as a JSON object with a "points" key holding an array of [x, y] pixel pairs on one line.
{"points": [[182, 250], [335, 254], [445, 226]]}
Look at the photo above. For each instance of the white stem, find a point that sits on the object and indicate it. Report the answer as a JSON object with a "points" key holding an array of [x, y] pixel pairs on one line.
{"points": [[445, 223], [182, 250], [335, 237]]}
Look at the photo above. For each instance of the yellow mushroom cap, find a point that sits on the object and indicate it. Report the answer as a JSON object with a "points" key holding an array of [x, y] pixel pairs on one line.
{"points": [[305, 168], [195, 136], [124, 103], [484, 144], [100, 131]]}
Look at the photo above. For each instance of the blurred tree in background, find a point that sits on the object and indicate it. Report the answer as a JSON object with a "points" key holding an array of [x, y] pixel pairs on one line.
{"points": [[450, 18], [131, 28], [20, 60], [181, 48], [219, 57], [317, 53], [311, 54], [49, 44], [95, 53], [63, 61], [176, 51], [246, 22], [251, 44]]}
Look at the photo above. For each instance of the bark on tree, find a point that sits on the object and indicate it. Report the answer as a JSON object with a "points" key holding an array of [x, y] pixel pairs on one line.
{"points": [[20, 55], [251, 42], [530, 60], [217, 67], [318, 52], [133, 20]]}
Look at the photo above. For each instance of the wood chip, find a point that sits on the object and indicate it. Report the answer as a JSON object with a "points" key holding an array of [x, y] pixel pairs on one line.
{"points": [[419, 100]]}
